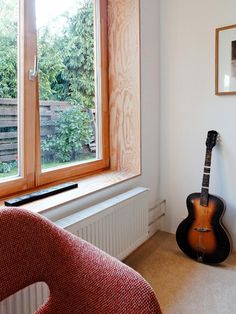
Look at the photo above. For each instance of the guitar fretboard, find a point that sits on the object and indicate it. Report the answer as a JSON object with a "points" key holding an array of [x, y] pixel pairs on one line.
{"points": [[206, 179]]}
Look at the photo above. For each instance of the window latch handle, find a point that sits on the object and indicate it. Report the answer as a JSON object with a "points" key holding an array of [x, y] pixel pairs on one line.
{"points": [[33, 73]]}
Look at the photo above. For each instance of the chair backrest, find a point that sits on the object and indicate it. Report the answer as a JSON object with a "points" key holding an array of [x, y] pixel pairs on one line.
{"points": [[81, 278]]}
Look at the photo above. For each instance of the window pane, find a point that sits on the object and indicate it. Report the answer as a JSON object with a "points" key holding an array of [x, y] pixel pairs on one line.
{"points": [[66, 50], [8, 89]]}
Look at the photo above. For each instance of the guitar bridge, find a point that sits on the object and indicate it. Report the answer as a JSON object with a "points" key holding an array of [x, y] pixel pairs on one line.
{"points": [[202, 229]]}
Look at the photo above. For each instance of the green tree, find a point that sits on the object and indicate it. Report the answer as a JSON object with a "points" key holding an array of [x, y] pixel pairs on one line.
{"points": [[51, 66], [79, 57], [8, 48], [66, 60]]}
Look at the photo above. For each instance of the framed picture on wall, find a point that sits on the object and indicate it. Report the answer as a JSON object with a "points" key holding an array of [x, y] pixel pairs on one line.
{"points": [[225, 73]]}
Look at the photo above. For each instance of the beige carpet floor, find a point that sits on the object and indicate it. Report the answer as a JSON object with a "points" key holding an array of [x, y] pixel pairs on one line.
{"points": [[182, 285]]}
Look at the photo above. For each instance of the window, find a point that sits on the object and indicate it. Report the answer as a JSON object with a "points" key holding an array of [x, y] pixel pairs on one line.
{"points": [[53, 91]]}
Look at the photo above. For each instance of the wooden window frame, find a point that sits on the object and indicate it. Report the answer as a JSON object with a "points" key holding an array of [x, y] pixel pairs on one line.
{"points": [[124, 111], [32, 176]]}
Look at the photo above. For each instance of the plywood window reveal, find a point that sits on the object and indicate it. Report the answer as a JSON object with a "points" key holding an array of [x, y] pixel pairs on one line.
{"points": [[124, 84], [53, 92]]}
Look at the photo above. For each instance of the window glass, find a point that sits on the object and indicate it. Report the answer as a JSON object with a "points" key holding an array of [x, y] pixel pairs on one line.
{"points": [[9, 157], [67, 84]]}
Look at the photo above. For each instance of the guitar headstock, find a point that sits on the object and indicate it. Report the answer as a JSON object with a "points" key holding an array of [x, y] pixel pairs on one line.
{"points": [[211, 139]]}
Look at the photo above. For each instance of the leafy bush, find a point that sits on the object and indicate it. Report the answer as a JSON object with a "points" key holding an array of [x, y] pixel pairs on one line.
{"points": [[73, 130], [6, 167]]}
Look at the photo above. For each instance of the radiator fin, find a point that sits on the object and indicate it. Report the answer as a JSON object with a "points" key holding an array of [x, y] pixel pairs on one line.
{"points": [[26, 301]]}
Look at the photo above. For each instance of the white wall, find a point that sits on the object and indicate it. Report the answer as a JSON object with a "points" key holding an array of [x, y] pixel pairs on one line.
{"points": [[189, 107], [149, 116]]}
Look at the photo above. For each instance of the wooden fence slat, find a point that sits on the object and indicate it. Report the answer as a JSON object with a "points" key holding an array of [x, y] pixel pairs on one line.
{"points": [[54, 103], [12, 109], [8, 101], [47, 123], [10, 146], [7, 135], [7, 111], [7, 158], [8, 124], [45, 114], [13, 124], [44, 131], [7, 118]]}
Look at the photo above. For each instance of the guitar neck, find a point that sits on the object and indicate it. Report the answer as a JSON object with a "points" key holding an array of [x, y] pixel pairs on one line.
{"points": [[206, 179]]}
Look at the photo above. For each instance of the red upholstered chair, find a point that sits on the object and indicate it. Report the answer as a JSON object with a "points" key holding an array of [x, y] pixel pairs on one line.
{"points": [[81, 278]]}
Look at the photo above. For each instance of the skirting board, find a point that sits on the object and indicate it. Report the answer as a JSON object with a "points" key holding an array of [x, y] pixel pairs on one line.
{"points": [[156, 217]]}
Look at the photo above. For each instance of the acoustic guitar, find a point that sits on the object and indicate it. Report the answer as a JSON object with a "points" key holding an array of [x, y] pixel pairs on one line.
{"points": [[202, 235]]}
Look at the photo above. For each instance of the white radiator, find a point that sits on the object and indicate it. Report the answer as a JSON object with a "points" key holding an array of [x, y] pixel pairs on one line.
{"points": [[117, 226]]}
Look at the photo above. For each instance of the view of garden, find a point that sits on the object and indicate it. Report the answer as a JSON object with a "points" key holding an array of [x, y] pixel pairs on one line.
{"points": [[66, 84]]}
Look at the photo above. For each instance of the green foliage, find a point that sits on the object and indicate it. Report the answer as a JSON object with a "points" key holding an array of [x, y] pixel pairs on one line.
{"points": [[51, 67], [8, 49], [6, 167], [79, 57], [73, 130], [66, 59], [8, 72]]}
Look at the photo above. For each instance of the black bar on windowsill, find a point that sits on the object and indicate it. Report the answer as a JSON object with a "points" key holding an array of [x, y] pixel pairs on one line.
{"points": [[28, 198]]}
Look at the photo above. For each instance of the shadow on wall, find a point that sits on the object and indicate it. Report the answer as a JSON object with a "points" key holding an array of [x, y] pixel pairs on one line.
{"points": [[224, 184]]}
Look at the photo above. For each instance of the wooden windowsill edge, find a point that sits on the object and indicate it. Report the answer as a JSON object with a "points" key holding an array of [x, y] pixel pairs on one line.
{"points": [[86, 186]]}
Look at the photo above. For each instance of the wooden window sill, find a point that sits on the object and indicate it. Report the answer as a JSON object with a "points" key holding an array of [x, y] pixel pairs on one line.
{"points": [[86, 186]]}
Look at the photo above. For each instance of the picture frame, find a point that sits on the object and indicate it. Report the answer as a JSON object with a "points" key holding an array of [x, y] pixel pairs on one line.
{"points": [[225, 60]]}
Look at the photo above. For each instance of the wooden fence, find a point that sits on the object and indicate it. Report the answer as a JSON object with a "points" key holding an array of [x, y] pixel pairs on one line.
{"points": [[49, 113]]}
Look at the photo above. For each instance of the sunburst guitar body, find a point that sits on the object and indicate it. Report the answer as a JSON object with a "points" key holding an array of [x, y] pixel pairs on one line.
{"points": [[202, 235]]}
